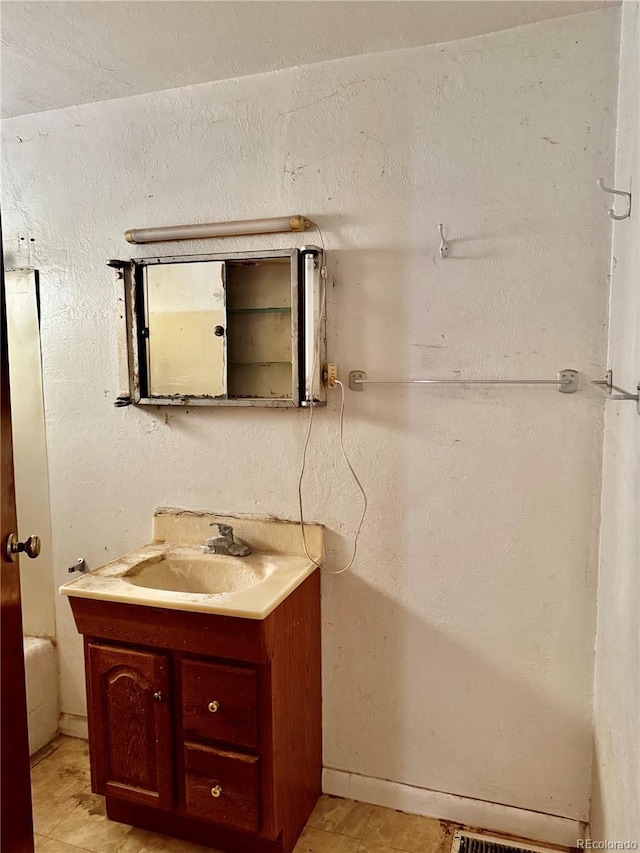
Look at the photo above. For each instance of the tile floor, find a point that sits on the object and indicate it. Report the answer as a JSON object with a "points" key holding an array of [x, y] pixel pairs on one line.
{"points": [[68, 818]]}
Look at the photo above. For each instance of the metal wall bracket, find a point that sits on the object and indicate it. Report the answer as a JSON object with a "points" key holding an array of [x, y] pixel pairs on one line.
{"points": [[620, 394], [567, 381], [355, 379]]}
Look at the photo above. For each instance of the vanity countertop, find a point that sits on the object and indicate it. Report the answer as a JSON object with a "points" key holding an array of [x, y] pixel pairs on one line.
{"points": [[175, 571]]}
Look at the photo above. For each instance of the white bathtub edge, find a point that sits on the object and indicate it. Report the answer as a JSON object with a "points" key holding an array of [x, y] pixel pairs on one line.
{"points": [[41, 676]]}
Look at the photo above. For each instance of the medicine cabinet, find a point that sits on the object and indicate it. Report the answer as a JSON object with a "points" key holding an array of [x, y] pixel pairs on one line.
{"points": [[244, 329]]}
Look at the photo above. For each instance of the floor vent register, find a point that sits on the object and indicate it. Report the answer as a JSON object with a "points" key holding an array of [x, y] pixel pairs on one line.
{"points": [[472, 842]]}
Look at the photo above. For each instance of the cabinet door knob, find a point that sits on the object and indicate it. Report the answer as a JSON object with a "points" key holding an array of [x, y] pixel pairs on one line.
{"points": [[216, 791], [213, 706], [158, 695], [218, 331]]}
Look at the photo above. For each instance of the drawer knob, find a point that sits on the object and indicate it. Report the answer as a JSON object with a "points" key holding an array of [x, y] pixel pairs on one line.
{"points": [[158, 696], [213, 706], [216, 791]]}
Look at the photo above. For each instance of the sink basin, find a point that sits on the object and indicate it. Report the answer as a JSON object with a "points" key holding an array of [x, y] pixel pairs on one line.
{"points": [[210, 574], [175, 572]]}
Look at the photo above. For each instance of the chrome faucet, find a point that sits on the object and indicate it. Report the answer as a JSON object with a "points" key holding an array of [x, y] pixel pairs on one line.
{"points": [[226, 543]]}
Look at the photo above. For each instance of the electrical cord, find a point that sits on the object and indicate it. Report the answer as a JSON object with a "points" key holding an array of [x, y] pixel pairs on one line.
{"points": [[341, 437]]}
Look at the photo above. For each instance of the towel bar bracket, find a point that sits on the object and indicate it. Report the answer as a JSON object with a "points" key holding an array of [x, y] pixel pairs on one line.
{"points": [[620, 394]]}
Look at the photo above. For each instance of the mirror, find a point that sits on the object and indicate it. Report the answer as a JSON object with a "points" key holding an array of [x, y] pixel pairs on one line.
{"points": [[185, 315], [220, 330]]}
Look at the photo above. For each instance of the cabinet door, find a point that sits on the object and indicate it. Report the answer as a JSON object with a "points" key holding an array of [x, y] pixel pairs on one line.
{"points": [[186, 329], [130, 724]]}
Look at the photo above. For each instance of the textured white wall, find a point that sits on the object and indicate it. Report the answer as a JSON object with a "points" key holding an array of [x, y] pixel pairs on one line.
{"points": [[616, 789], [458, 652]]}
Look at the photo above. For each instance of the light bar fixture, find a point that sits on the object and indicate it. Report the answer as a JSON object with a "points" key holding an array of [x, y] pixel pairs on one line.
{"points": [[217, 229], [314, 353]]}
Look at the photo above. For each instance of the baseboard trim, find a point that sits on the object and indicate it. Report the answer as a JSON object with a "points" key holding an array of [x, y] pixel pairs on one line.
{"points": [[472, 813], [422, 801], [73, 725]]}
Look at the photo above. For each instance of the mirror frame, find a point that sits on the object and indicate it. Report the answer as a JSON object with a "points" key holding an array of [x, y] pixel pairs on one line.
{"points": [[306, 281]]}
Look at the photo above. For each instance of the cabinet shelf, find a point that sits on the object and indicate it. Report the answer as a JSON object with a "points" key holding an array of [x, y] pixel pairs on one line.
{"points": [[284, 310], [254, 363]]}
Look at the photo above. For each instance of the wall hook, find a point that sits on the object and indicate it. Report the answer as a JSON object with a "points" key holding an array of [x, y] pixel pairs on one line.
{"points": [[444, 246], [612, 212]]}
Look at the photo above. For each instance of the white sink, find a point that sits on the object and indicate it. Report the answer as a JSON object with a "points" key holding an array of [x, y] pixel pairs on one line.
{"points": [[183, 570], [175, 571]]}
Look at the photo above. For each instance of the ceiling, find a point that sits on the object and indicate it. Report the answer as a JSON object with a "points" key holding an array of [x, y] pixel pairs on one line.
{"points": [[57, 53]]}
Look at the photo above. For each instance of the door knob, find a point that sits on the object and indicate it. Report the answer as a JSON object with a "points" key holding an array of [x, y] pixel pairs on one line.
{"points": [[30, 547]]}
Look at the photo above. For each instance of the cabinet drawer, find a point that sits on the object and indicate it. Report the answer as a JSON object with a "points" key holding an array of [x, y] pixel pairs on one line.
{"points": [[219, 702], [222, 786]]}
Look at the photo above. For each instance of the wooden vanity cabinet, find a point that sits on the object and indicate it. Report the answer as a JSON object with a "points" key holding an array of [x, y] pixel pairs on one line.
{"points": [[206, 727]]}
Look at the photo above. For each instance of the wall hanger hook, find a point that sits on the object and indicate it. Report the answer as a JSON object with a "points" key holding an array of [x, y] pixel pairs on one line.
{"points": [[612, 212], [444, 246]]}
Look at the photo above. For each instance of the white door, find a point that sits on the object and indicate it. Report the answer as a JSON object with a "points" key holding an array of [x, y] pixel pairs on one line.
{"points": [[30, 449]]}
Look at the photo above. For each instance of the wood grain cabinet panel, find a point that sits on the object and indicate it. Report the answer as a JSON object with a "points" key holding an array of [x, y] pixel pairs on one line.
{"points": [[222, 786], [219, 702], [130, 722], [206, 727]]}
